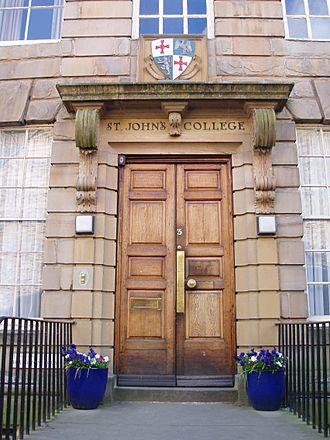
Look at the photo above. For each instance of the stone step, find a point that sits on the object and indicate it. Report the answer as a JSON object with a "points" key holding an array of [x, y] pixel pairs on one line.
{"points": [[175, 394]]}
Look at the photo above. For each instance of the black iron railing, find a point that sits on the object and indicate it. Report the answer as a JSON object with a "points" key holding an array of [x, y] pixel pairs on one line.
{"points": [[32, 382], [307, 346]]}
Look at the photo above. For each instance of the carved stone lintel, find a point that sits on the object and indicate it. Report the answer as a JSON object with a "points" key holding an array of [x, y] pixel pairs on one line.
{"points": [[264, 138], [87, 127], [174, 111]]}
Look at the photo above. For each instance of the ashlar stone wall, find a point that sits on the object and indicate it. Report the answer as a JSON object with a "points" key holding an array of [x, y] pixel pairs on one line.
{"points": [[96, 46], [249, 43]]}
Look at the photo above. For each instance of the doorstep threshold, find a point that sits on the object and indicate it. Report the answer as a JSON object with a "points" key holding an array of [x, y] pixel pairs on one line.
{"points": [[175, 394]]}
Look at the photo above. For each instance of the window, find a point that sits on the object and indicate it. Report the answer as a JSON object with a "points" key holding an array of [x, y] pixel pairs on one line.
{"points": [[314, 167], [24, 171], [173, 17], [307, 19], [30, 19]]}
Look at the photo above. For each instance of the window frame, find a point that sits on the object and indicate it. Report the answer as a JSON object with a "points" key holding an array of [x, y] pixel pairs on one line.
{"points": [[306, 16], [26, 41], [209, 18], [307, 218], [21, 219]]}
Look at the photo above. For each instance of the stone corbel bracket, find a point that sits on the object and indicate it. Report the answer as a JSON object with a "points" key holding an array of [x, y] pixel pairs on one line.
{"points": [[264, 139], [174, 112], [87, 135]]}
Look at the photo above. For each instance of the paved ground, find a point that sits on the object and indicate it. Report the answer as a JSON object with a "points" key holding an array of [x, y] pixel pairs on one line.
{"points": [[175, 421]]}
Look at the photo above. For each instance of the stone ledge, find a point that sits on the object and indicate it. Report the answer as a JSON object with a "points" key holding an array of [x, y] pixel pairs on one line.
{"points": [[276, 92]]}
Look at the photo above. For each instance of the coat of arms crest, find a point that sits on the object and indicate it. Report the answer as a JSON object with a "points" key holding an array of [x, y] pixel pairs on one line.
{"points": [[171, 57]]}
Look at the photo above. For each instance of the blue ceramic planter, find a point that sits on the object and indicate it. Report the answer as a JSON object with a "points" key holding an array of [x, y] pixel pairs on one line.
{"points": [[86, 386], [266, 390]]}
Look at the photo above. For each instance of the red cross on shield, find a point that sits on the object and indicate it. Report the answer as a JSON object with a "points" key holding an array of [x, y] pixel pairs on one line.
{"points": [[163, 46], [180, 64]]}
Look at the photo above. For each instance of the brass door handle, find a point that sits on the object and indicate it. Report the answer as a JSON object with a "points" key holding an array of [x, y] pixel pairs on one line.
{"points": [[191, 283], [180, 281]]}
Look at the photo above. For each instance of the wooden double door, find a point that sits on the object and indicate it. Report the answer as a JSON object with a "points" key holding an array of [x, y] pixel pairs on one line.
{"points": [[175, 294]]}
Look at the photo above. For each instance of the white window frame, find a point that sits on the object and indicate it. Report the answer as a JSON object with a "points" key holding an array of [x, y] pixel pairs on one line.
{"points": [[326, 185], [209, 18], [19, 220], [307, 16], [25, 41]]}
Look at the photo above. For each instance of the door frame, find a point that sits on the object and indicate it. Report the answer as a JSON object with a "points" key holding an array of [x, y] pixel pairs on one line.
{"points": [[170, 159]]}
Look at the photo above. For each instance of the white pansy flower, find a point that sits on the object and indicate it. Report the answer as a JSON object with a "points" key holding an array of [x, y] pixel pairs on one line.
{"points": [[254, 358]]}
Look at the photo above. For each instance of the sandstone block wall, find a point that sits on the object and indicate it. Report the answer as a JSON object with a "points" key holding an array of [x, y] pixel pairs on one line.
{"points": [[96, 45]]}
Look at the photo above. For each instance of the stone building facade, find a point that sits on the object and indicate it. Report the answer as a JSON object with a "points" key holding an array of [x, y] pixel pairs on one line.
{"points": [[79, 85]]}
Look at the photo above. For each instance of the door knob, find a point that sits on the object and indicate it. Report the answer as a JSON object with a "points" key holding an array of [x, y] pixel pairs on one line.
{"points": [[191, 283]]}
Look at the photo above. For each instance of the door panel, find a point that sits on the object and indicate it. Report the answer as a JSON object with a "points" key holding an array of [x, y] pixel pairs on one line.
{"points": [[156, 343], [147, 271], [205, 315], [204, 331]]}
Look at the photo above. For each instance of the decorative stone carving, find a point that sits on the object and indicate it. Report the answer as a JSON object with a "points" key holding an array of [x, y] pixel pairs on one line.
{"points": [[264, 121], [87, 127], [156, 73], [159, 55], [86, 183], [174, 111], [264, 139], [265, 194], [151, 68], [196, 68], [175, 121]]}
